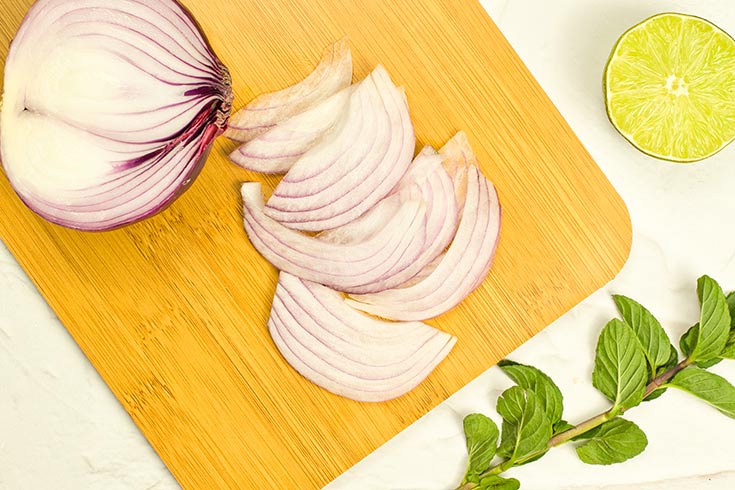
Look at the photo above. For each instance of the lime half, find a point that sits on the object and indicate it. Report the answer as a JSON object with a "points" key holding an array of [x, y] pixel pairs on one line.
{"points": [[670, 87]]}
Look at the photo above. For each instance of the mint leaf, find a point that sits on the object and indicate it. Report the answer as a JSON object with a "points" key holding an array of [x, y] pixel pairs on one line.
{"points": [[714, 321], [561, 426], [526, 429], [655, 341], [730, 298], [713, 389], [671, 362], [532, 379], [729, 352], [688, 341], [482, 439], [708, 363], [495, 482], [655, 394], [621, 372], [616, 441]]}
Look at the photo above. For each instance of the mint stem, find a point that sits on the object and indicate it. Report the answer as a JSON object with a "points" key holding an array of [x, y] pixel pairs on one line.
{"points": [[665, 377], [581, 428], [467, 486]]}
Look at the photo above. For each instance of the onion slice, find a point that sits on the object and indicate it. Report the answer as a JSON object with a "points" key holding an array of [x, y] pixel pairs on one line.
{"points": [[109, 109], [332, 74], [341, 266], [460, 271], [347, 352], [276, 150], [355, 167], [427, 181], [458, 157]]}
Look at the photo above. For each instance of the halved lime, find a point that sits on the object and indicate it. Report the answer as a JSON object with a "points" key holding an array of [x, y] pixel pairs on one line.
{"points": [[670, 87]]}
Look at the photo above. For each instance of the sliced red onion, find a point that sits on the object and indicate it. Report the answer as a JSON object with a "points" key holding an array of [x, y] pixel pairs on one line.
{"points": [[374, 219], [366, 225], [333, 73], [349, 353], [276, 150], [461, 270], [427, 181], [355, 167], [341, 266], [109, 109], [458, 157]]}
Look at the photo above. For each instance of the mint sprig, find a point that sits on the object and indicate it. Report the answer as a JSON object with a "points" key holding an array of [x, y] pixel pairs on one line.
{"points": [[635, 361]]}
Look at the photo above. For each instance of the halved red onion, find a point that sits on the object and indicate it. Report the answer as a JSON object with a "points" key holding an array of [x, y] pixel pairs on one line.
{"points": [[109, 109], [333, 73], [276, 150], [355, 167], [349, 353], [427, 181], [461, 270], [341, 266]]}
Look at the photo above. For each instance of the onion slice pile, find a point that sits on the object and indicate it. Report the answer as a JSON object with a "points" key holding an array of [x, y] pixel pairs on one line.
{"points": [[405, 240], [341, 266], [355, 167], [461, 270], [349, 353], [333, 73], [109, 109], [276, 150]]}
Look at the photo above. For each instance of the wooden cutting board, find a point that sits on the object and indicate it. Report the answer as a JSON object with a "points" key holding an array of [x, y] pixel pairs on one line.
{"points": [[172, 311]]}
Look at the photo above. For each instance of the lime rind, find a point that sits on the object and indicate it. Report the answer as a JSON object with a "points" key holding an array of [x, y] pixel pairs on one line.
{"points": [[669, 87]]}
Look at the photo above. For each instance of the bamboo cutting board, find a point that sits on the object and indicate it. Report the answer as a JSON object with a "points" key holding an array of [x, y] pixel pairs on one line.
{"points": [[172, 311]]}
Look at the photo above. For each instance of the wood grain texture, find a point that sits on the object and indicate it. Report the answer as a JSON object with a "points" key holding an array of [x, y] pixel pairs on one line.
{"points": [[172, 311]]}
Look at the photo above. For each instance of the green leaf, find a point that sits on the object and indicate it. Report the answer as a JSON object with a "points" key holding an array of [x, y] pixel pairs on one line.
{"points": [[561, 426], [655, 394], [532, 379], [708, 363], [730, 298], [482, 439], [673, 361], [616, 441], [714, 389], [714, 321], [655, 341], [526, 429], [495, 482], [729, 352], [688, 341], [621, 372]]}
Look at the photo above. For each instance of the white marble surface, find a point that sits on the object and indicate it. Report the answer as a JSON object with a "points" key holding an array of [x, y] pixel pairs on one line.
{"points": [[61, 428]]}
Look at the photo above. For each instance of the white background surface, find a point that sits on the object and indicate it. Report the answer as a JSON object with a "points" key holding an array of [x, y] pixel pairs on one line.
{"points": [[61, 428]]}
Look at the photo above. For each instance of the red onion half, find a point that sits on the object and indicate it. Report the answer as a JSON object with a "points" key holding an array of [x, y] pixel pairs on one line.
{"points": [[333, 73], [349, 353], [109, 109]]}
